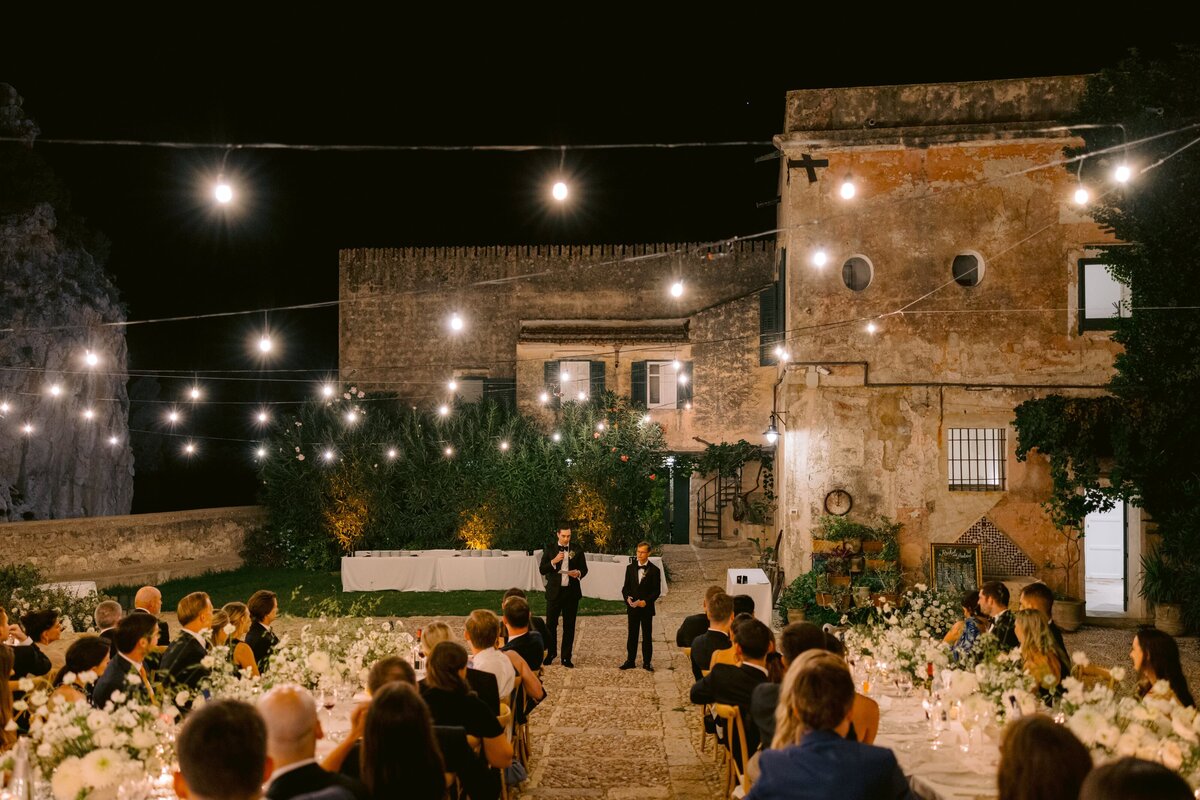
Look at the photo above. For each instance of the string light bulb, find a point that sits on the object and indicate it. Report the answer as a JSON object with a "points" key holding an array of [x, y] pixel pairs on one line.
{"points": [[872, 327], [265, 344], [55, 390], [351, 417], [544, 398], [564, 376], [194, 393], [1122, 173], [327, 455], [600, 425], [327, 391], [683, 378], [504, 445], [89, 413], [5, 407], [452, 385], [646, 420], [443, 410], [677, 289], [847, 190], [820, 258], [261, 452], [391, 453], [113, 440], [676, 365], [449, 451], [456, 322], [583, 396], [262, 417], [223, 192], [91, 359], [1082, 195], [559, 191], [556, 436], [172, 416], [189, 449], [27, 429]]}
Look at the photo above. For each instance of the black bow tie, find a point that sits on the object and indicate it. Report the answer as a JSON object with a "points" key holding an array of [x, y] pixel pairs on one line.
{"points": [[642, 566]]}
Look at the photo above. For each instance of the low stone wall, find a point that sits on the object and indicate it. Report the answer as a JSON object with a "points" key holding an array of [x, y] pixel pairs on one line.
{"points": [[138, 548]]}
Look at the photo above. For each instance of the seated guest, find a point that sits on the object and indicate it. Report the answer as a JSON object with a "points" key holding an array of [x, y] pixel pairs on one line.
{"points": [[811, 758], [796, 638], [965, 633], [1040, 597], [292, 733], [222, 753], [481, 632], [86, 654], [1039, 759], [1156, 658], [717, 637], [263, 607], [452, 703], [41, 628], [107, 613], [345, 757], [730, 654], [181, 667], [148, 600], [696, 624], [1041, 656], [7, 737], [483, 684], [734, 685], [864, 716], [993, 601], [236, 615], [742, 604], [400, 755], [134, 637], [535, 623], [522, 641], [1134, 779]]}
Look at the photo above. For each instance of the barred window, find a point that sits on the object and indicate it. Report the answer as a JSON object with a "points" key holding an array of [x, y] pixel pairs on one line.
{"points": [[976, 459]]}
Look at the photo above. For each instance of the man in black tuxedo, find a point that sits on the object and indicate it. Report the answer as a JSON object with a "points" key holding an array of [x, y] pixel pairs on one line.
{"points": [[133, 637], [993, 601], [148, 600], [292, 733], [734, 686], [563, 567], [521, 640], [695, 624], [720, 618], [643, 585], [263, 607], [1040, 597], [181, 666]]}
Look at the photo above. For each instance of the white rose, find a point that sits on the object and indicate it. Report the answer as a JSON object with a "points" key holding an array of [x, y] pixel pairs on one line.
{"points": [[88, 677], [1171, 755], [67, 781], [182, 697], [20, 705], [69, 678], [229, 629]]}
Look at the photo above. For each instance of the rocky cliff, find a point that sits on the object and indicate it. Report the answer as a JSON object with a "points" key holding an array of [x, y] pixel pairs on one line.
{"points": [[56, 303]]}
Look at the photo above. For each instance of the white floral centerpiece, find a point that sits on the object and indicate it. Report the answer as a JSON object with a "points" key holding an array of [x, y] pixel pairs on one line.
{"points": [[84, 751], [993, 677], [908, 638], [324, 656]]}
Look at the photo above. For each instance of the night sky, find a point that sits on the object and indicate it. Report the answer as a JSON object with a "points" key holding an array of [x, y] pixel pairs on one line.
{"points": [[225, 78]]}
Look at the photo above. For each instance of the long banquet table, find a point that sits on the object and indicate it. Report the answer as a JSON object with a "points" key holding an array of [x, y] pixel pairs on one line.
{"points": [[943, 774], [454, 570]]}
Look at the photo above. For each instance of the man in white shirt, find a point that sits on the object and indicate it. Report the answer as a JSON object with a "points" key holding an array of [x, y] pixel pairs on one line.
{"points": [[482, 632], [292, 732]]}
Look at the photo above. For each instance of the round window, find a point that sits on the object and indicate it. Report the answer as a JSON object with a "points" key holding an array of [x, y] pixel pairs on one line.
{"points": [[967, 269], [857, 272]]}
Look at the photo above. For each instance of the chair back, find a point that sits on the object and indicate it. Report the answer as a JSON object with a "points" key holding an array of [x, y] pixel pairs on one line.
{"points": [[735, 743]]}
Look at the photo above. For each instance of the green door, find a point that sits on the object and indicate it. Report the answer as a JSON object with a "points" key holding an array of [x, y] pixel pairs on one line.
{"points": [[681, 507]]}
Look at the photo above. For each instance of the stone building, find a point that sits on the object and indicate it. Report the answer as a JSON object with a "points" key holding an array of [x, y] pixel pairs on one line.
{"points": [[956, 284], [552, 324]]}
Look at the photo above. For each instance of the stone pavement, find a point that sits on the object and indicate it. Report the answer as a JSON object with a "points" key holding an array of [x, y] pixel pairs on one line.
{"points": [[604, 733]]}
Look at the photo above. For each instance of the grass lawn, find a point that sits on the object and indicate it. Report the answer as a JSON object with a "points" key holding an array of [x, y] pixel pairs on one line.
{"points": [[311, 594]]}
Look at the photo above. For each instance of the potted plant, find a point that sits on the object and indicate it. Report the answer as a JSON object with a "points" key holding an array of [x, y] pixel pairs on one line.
{"points": [[1069, 611], [837, 565], [797, 596], [1160, 582], [889, 581]]}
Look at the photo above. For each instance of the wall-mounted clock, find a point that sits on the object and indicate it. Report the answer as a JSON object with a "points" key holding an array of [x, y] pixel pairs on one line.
{"points": [[839, 502]]}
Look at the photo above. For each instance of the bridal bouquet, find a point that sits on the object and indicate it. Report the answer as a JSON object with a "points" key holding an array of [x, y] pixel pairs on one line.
{"points": [[84, 751]]}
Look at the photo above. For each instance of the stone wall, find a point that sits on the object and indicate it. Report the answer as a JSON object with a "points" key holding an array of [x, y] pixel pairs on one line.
{"points": [[132, 549], [940, 170]]}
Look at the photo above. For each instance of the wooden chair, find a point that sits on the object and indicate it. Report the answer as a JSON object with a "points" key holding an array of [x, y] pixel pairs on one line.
{"points": [[736, 783], [521, 744], [1091, 676]]}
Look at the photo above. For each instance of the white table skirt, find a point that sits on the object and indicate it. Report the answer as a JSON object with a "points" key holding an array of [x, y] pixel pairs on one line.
{"points": [[757, 587], [441, 571]]}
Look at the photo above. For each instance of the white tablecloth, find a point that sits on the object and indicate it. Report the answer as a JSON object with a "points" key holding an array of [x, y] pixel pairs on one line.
{"points": [[756, 586], [444, 571], [75, 588], [943, 774]]}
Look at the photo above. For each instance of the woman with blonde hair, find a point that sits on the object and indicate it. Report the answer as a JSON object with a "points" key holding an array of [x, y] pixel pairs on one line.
{"points": [[229, 628], [810, 756], [1041, 655], [434, 634]]}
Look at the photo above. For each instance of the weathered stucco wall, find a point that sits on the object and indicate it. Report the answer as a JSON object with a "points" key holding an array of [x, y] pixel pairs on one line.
{"points": [[137, 548], [940, 170]]}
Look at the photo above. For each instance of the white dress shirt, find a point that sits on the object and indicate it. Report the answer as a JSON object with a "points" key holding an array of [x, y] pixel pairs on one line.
{"points": [[493, 661]]}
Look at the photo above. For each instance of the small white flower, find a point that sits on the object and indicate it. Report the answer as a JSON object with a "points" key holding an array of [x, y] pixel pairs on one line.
{"points": [[182, 697], [346, 395], [133, 678], [20, 705], [300, 457], [1171, 755], [11, 725], [25, 684], [69, 678], [44, 749], [67, 781], [1118, 674], [1079, 657], [207, 662], [229, 629]]}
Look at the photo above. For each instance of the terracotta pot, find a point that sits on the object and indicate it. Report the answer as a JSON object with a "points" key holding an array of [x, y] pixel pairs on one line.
{"points": [[796, 615], [824, 599], [857, 563], [839, 580], [872, 547], [1068, 614], [1168, 618]]}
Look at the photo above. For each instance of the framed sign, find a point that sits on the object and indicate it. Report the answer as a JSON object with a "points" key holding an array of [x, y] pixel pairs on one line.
{"points": [[955, 567]]}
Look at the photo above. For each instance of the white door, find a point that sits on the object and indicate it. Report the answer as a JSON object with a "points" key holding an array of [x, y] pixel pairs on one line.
{"points": [[1104, 560]]}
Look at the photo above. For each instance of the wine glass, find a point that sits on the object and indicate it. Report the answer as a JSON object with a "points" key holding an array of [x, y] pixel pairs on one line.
{"points": [[969, 719], [904, 683]]}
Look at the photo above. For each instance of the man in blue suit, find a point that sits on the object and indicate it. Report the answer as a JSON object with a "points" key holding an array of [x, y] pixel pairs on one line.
{"points": [[816, 760], [134, 637]]}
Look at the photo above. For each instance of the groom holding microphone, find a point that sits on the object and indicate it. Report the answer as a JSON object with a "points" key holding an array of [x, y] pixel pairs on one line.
{"points": [[562, 567]]}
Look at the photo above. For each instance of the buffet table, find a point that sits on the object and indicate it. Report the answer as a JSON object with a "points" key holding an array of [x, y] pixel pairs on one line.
{"points": [[455, 570]]}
